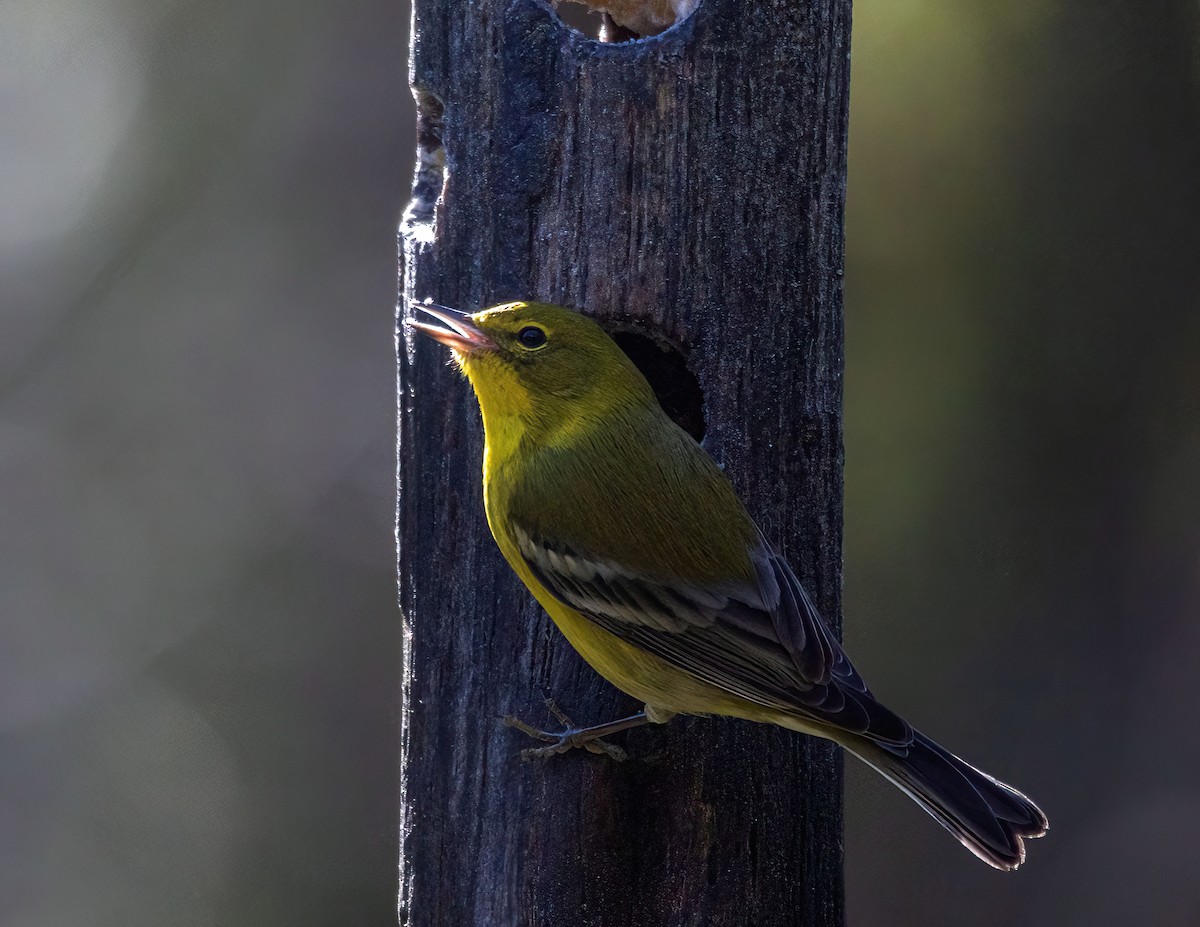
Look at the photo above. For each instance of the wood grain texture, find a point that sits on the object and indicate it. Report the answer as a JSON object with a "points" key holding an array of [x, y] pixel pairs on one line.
{"points": [[690, 185]]}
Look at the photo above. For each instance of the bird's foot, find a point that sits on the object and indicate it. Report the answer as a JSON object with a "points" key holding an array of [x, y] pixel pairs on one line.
{"points": [[590, 738]]}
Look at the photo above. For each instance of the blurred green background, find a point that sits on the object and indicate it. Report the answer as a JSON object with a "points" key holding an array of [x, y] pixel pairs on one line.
{"points": [[199, 644]]}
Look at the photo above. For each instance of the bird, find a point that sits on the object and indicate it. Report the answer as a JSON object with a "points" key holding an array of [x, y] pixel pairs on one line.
{"points": [[634, 541]]}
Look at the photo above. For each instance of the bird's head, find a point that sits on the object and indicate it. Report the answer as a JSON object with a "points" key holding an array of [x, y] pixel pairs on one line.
{"points": [[543, 364]]}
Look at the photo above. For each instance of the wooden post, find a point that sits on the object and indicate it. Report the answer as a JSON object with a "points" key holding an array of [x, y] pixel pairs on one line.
{"points": [[689, 186]]}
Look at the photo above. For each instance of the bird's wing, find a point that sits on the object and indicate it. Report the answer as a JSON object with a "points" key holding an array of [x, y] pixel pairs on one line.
{"points": [[762, 641]]}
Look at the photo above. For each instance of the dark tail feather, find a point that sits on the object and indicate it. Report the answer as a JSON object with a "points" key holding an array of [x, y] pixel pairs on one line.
{"points": [[990, 818]]}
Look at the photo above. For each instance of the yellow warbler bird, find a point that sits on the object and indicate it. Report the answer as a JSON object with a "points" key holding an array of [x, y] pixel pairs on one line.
{"points": [[633, 540]]}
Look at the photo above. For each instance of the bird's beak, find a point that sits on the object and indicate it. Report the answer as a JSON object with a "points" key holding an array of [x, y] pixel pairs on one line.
{"points": [[456, 331]]}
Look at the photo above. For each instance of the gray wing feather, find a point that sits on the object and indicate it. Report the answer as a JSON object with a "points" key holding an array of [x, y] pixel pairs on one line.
{"points": [[762, 641]]}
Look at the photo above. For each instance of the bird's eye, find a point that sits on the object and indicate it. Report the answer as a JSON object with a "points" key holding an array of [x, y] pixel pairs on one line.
{"points": [[531, 337]]}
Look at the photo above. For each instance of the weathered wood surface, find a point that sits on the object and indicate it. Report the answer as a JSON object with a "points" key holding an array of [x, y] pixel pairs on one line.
{"points": [[691, 185]]}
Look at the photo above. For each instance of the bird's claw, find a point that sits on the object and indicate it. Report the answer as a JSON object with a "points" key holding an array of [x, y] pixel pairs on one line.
{"points": [[567, 739]]}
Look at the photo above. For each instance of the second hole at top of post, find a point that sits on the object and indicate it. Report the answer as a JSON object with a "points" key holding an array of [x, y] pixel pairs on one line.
{"points": [[622, 20]]}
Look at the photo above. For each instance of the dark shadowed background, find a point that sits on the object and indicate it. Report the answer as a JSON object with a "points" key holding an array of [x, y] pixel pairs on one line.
{"points": [[199, 645]]}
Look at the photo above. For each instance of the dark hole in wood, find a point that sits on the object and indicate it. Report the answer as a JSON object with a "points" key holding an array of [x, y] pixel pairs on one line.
{"points": [[586, 21], [666, 369], [581, 18]]}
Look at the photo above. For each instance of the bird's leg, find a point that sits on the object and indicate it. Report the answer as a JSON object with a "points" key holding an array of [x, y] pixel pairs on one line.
{"points": [[571, 736]]}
